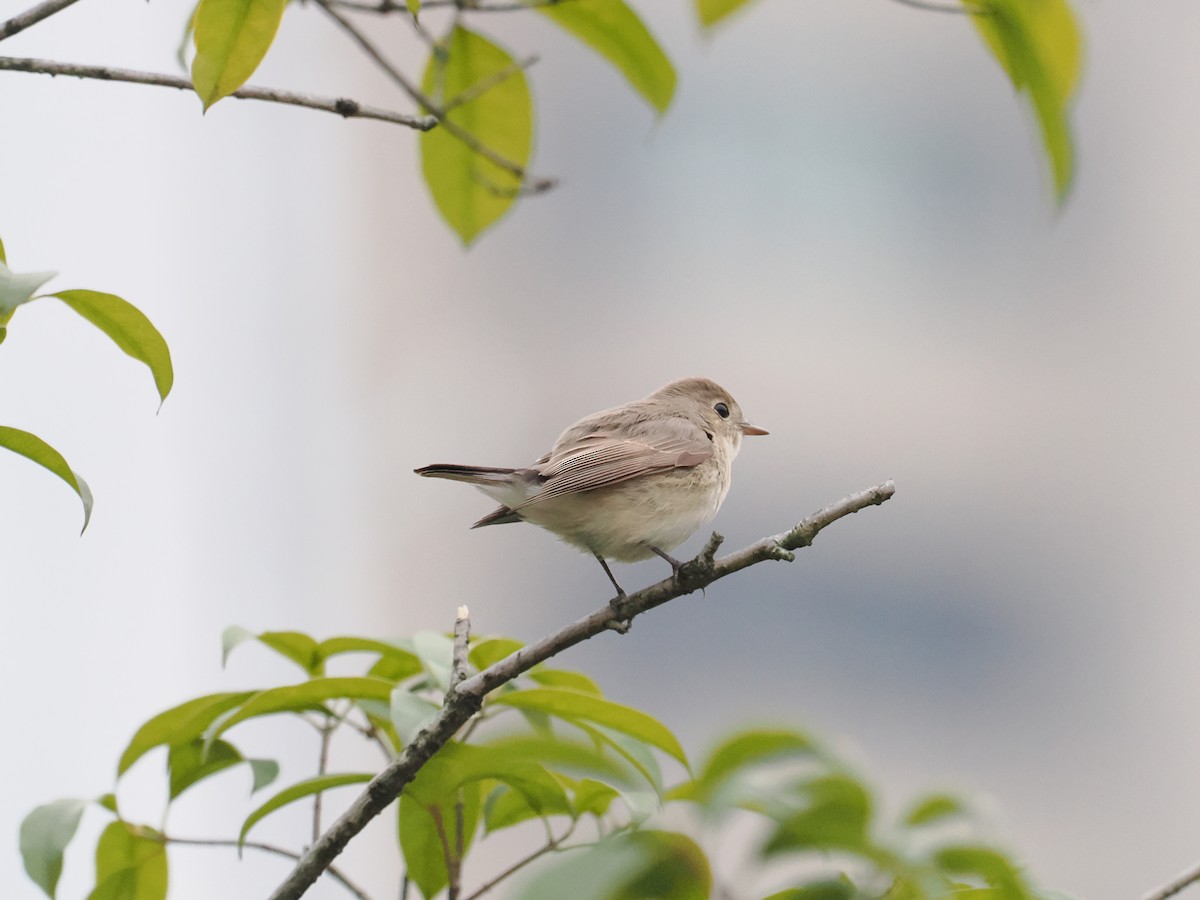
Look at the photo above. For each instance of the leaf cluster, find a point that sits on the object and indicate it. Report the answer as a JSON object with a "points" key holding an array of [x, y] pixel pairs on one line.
{"points": [[548, 748], [124, 324], [475, 159]]}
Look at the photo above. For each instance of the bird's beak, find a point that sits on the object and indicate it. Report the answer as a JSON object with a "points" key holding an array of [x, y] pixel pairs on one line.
{"points": [[747, 428]]}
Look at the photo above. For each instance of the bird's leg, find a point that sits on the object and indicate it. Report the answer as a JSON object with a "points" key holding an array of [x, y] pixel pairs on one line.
{"points": [[608, 572], [617, 624], [676, 565]]}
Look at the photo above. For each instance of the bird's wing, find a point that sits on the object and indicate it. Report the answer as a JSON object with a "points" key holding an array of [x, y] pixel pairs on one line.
{"points": [[603, 457]]}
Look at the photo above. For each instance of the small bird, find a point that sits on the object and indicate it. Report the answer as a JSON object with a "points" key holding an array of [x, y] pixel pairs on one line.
{"points": [[625, 483]]}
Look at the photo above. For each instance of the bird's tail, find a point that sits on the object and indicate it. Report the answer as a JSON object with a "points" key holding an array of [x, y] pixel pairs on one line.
{"points": [[470, 474], [499, 484]]}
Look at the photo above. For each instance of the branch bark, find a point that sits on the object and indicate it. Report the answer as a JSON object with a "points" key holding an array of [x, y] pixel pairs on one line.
{"points": [[1191, 876], [466, 698], [346, 108], [32, 16]]}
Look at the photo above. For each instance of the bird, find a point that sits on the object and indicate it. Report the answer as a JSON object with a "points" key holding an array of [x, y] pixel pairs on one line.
{"points": [[626, 483]]}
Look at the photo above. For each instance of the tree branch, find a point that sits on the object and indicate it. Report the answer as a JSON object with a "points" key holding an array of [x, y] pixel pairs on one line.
{"points": [[462, 641], [464, 700], [267, 848], [1176, 885], [32, 16], [348, 109], [436, 111], [552, 843], [969, 9]]}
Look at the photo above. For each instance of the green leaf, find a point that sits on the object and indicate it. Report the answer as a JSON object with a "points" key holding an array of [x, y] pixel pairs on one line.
{"points": [[34, 448], [379, 716], [831, 889], [431, 821], [934, 808], [421, 846], [614, 31], [131, 864], [505, 807], [185, 40], [232, 638], [1040, 48], [410, 713], [470, 191], [301, 697], [402, 663], [563, 678], [232, 37], [743, 751], [299, 648], [633, 751], [299, 791], [566, 756], [436, 652], [413, 6], [179, 725], [492, 650], [188, 763], [711, 12], [457, 764], [128, 328], [641, 865], [45, 833], [428, 832], [263, 771], [3, 257], [837, 816], [574, 706], [593, 797], [992, 867], [16, 289]]}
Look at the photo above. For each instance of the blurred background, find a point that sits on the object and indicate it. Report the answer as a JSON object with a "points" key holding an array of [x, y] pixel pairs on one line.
{"points": [[844, 219]]}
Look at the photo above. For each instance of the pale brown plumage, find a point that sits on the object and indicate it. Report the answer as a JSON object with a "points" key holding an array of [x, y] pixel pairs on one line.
{"points": [[624, 483]]}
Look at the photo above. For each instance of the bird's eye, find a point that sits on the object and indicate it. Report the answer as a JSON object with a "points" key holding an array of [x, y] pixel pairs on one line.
{"points": [[722, 410]]}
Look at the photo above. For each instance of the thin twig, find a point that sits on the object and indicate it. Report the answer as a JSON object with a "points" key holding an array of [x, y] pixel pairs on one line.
{"points": [[462, 640], [1176, 885], [453, 869], [455, 872], [322, 767], [969, 9], [551, 844], [335, 874], [348, 109], [482, 87], [32, 16], [438, 112], [384, 7], [467, 698]]}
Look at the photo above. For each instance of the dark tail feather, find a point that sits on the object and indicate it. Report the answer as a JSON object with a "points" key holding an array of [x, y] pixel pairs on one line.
{"points": [[500, 516], [469, 474]]}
